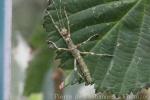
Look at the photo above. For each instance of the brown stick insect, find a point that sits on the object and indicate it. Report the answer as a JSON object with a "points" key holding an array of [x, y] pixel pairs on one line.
{"points": [[72, 48]]}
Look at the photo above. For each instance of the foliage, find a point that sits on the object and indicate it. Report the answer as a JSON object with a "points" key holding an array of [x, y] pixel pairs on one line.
{"points": [[123, 28], [40, 64]]}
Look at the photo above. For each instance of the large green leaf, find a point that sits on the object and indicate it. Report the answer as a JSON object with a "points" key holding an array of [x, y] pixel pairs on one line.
{"points": [[37, 70], [94, 20], [128, 70], [127, 39], [41, 62]]}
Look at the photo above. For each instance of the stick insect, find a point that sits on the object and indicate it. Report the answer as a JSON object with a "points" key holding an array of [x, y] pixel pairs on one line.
{"points": [[71, 47]]}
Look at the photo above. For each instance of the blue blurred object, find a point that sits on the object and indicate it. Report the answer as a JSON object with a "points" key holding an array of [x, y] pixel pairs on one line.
{"points": [[1, 46], [5, 48]]}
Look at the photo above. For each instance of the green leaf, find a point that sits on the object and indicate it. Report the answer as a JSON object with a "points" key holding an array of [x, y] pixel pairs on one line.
{"points": [[127, 40], [128, 70], [72, 78], [38, 37], [42, 62], [87, 22]]}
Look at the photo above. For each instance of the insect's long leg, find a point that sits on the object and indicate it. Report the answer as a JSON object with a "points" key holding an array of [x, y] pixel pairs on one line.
{"points": [[59, 49], [95, 54], [78, 45], [60, 11], [55, 25], [68, 22], [59, 18]]}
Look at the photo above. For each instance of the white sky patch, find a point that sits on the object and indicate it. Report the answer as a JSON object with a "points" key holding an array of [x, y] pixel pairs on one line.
{"points": [[22, 52]]}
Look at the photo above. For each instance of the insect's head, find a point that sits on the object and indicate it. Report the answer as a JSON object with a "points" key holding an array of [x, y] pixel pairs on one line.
{"points": [[64, 32]]}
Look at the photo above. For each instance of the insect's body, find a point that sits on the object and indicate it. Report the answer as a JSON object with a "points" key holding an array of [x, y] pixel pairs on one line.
{"points": [[77, 56], [73, 49]]}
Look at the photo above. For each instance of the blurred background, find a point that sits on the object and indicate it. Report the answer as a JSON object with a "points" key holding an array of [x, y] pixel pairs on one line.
{"points": [[26, 22], [31, 59]]}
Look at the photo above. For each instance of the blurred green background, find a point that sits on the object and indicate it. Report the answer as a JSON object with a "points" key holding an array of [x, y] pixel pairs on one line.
{"points": [[31, 59], [27, 37]]}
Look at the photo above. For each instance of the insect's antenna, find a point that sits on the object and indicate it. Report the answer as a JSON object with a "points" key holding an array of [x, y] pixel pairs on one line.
{"points": [[59, 18], [68, 22], [60, 11], [53, 21]]}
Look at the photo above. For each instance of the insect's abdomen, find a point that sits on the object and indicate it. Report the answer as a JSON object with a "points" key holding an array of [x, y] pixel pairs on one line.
{"points": [[82, 67]]}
